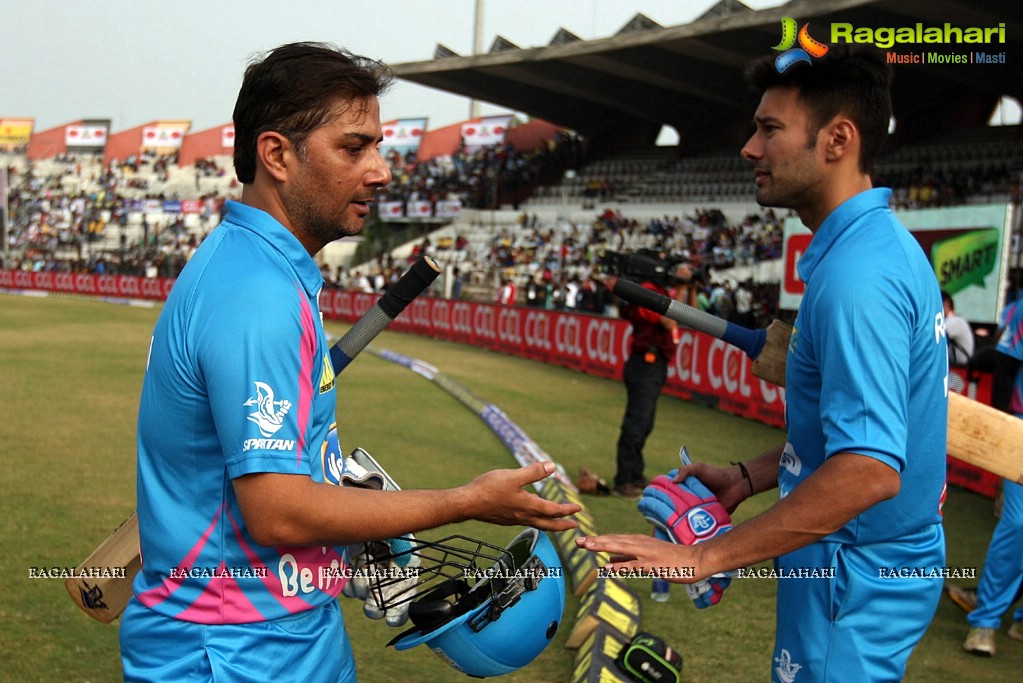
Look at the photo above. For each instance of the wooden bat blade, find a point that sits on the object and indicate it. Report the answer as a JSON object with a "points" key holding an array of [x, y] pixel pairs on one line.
{"points": [[101, 586], [985, 437], [977, 433]]}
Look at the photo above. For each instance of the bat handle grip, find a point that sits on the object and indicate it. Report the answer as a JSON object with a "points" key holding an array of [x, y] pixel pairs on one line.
{"points": [[393, 302], [750, 341], [409, 286]]}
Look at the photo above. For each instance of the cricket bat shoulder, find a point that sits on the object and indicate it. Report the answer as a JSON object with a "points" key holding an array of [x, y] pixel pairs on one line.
{"points": [[102, 583], [769, 365]]}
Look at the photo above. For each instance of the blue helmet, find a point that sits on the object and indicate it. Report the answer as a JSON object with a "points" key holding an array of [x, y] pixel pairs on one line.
{"points": [[487, 621]]}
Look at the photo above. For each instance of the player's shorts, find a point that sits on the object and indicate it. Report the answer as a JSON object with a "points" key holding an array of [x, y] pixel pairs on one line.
{"points": [[311, 646], [863, 624]]}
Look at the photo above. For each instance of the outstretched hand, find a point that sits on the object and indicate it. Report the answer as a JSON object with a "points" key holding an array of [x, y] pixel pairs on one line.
{"points": [[646, 554], [500, 497]]}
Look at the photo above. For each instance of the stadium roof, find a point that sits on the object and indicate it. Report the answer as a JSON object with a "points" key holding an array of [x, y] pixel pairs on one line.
{"points": [[619, 91]]}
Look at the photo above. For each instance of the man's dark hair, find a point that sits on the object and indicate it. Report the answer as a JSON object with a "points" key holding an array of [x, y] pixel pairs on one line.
{"points": [[295, 89], [856, 83]]}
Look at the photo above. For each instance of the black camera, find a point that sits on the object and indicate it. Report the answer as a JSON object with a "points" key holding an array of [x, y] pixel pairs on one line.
{"points": [[641, 267]]}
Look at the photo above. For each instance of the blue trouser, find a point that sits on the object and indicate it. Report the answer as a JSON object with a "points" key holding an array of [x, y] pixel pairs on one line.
{"points": [[643, 384], [863, 624], [310, 646], [1002, 576]]}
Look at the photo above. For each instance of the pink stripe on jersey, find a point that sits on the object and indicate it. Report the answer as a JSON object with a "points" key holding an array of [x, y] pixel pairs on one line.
{"points": [[307, 353], [328, 558], [154, 596], [221, 602]]}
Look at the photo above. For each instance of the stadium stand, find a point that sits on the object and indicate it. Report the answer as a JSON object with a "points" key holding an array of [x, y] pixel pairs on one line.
{"points": [[148, 212]]}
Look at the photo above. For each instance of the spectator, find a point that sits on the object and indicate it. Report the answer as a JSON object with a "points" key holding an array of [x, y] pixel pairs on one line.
{"points": [[507, 295], [958, 332], [1001, 579]]}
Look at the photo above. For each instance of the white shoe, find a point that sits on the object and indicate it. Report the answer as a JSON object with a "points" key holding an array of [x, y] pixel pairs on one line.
{"points": [[980, 641]]}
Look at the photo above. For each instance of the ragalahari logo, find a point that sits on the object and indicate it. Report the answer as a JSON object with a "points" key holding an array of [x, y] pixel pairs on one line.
{"points": [[808, 47]]}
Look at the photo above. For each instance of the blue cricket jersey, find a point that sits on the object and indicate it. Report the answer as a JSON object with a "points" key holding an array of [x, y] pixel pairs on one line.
{"points": [[239, 381], [1011, 344], [867, 367]]}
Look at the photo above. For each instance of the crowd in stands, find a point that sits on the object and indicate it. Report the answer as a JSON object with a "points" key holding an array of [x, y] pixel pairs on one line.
{"points": [[483, 177], [563, 269], [926, 187], [57, 217], [58, 220]]}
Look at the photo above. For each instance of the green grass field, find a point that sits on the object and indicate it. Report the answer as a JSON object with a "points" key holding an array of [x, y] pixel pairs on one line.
{"points": [[71, 373]]}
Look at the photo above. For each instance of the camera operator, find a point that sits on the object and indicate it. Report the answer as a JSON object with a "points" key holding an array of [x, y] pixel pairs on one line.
{"points": [[646, 369]]}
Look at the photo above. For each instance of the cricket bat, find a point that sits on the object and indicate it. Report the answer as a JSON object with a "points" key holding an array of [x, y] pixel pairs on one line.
{"points": [[101, 585], [977, 433]]}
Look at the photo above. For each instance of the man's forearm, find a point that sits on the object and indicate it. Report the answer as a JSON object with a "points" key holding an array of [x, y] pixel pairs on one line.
{"points": [[294, 510], [763, 469], [846, 485]]}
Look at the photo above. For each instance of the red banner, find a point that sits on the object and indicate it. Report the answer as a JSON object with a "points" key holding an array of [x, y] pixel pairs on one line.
{"points": [[121, 286], [704, 369]]}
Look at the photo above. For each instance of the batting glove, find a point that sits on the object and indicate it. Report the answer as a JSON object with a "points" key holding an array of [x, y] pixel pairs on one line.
{"points": [[386, 587], [687, 513], [383, 572]]}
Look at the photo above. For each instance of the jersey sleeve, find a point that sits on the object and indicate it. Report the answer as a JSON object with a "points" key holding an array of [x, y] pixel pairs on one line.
{"points": [[257, 355], [863, 342]]}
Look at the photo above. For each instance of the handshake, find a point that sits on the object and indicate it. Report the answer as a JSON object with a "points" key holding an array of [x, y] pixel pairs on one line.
{"points": [[687, 513]]}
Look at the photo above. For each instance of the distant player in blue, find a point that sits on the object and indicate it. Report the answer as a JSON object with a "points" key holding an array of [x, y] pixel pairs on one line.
{"points": [[243, 527], [1001, 579], [861, 477]]}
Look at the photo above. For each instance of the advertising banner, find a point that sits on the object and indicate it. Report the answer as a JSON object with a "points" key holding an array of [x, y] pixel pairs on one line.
{"points": [[968, 246]]}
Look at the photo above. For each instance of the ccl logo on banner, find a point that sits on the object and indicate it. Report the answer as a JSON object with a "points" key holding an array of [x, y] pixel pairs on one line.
{"points": [[790, 54]]}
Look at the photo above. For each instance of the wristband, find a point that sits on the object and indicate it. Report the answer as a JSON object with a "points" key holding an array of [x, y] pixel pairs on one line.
{"points": [[745, 475]]}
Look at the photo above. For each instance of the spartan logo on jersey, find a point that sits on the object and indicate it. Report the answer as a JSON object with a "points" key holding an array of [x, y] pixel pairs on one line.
{"points": [[269, 415], [327, 378], [786, 669]]}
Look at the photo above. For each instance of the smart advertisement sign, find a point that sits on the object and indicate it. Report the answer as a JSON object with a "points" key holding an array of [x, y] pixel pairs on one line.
{"points": [[968, 247]]}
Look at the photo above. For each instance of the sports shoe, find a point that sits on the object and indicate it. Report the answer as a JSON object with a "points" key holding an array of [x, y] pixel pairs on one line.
{"points": [[1016, 630], [980, 641], [589, 481], [629, 490], [964, 598]]}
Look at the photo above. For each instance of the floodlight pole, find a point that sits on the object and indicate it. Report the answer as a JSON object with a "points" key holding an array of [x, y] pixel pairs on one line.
{"points": [[474, 105]]}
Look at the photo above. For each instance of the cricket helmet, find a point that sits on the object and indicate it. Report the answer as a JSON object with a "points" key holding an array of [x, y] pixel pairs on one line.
{"points": [[485, 610]]}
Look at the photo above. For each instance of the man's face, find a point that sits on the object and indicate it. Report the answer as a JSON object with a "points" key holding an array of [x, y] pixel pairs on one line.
{"points": [[786, 164], [338, 173]]}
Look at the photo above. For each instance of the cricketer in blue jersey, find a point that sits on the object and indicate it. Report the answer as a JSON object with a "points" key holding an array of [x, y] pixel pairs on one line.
{"points": [[857, 528], [1001, 579], [242, 525]]}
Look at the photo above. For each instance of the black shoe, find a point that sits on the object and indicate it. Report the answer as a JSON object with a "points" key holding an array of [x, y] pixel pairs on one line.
{"points": [[629, 490]]}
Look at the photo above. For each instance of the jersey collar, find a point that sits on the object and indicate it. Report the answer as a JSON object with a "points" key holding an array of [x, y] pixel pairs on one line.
{"points": [[269, 229], [837, 222]]}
